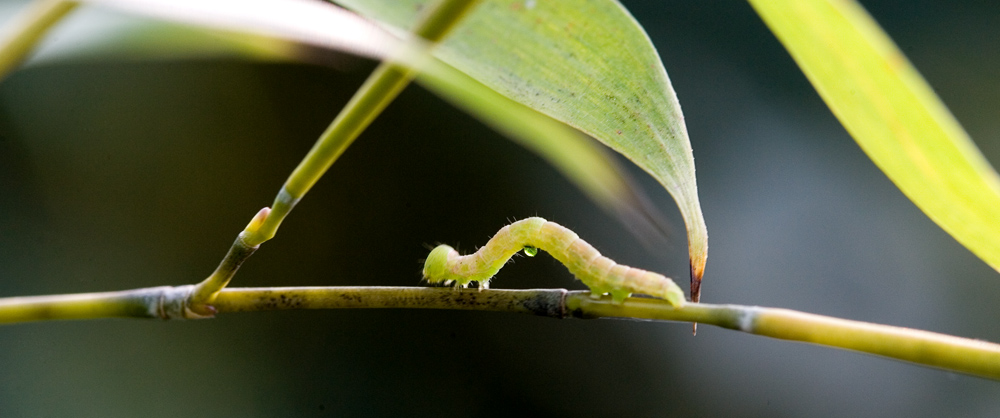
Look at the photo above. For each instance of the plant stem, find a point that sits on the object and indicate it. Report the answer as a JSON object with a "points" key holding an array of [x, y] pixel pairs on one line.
{"points": [[163, 302], [931, 349], [542, 302], [206, 291], [380, 89], [385, 83], [27, 28], [943, 351]]}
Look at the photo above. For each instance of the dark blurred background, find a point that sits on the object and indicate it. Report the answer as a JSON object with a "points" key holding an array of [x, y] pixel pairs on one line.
{"points": [[123, 173]]}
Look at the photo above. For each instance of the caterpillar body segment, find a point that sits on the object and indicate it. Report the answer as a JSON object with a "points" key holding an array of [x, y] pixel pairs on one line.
{"points": [[601, 274]]}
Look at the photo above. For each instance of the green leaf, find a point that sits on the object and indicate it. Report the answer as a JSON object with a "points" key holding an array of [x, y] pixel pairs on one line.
{"points": [[891, 111], [587, 63]]}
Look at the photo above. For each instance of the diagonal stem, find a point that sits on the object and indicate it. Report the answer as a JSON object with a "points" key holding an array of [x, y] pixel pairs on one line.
{"points": [[28, 28], [385, 83], [380, 89]]}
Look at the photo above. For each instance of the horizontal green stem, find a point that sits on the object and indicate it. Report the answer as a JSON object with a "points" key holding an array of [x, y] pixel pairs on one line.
{"points": [[921, 347], [164, 302], [943, 351], [542, 302]]}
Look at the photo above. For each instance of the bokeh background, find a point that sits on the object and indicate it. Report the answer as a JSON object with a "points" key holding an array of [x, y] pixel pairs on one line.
{"points": [[120, 172]]}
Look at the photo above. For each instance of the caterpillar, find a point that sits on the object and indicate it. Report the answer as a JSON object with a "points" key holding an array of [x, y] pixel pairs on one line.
{"points": [[599, 273]]}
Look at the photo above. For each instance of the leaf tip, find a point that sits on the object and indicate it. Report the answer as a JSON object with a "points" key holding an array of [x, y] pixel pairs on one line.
{"points": [[697, 263]]}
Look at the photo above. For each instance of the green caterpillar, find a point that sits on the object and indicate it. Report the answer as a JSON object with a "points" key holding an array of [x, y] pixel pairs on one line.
{"points": [[599, 273]]}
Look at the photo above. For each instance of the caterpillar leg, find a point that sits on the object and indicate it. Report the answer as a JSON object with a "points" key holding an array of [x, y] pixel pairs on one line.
{"points": [[456, 285], [597, 292], [619, 296]]}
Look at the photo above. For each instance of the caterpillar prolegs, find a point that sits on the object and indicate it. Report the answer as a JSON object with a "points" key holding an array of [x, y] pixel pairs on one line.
{"points": [[599, 273]]}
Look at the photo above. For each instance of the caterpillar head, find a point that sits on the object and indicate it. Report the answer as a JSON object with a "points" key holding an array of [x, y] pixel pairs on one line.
{"points": [[436, 267]]}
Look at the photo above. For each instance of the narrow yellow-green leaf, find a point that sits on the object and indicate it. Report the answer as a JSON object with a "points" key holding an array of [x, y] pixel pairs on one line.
{"points": [[891, 111], [587, 63]]}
